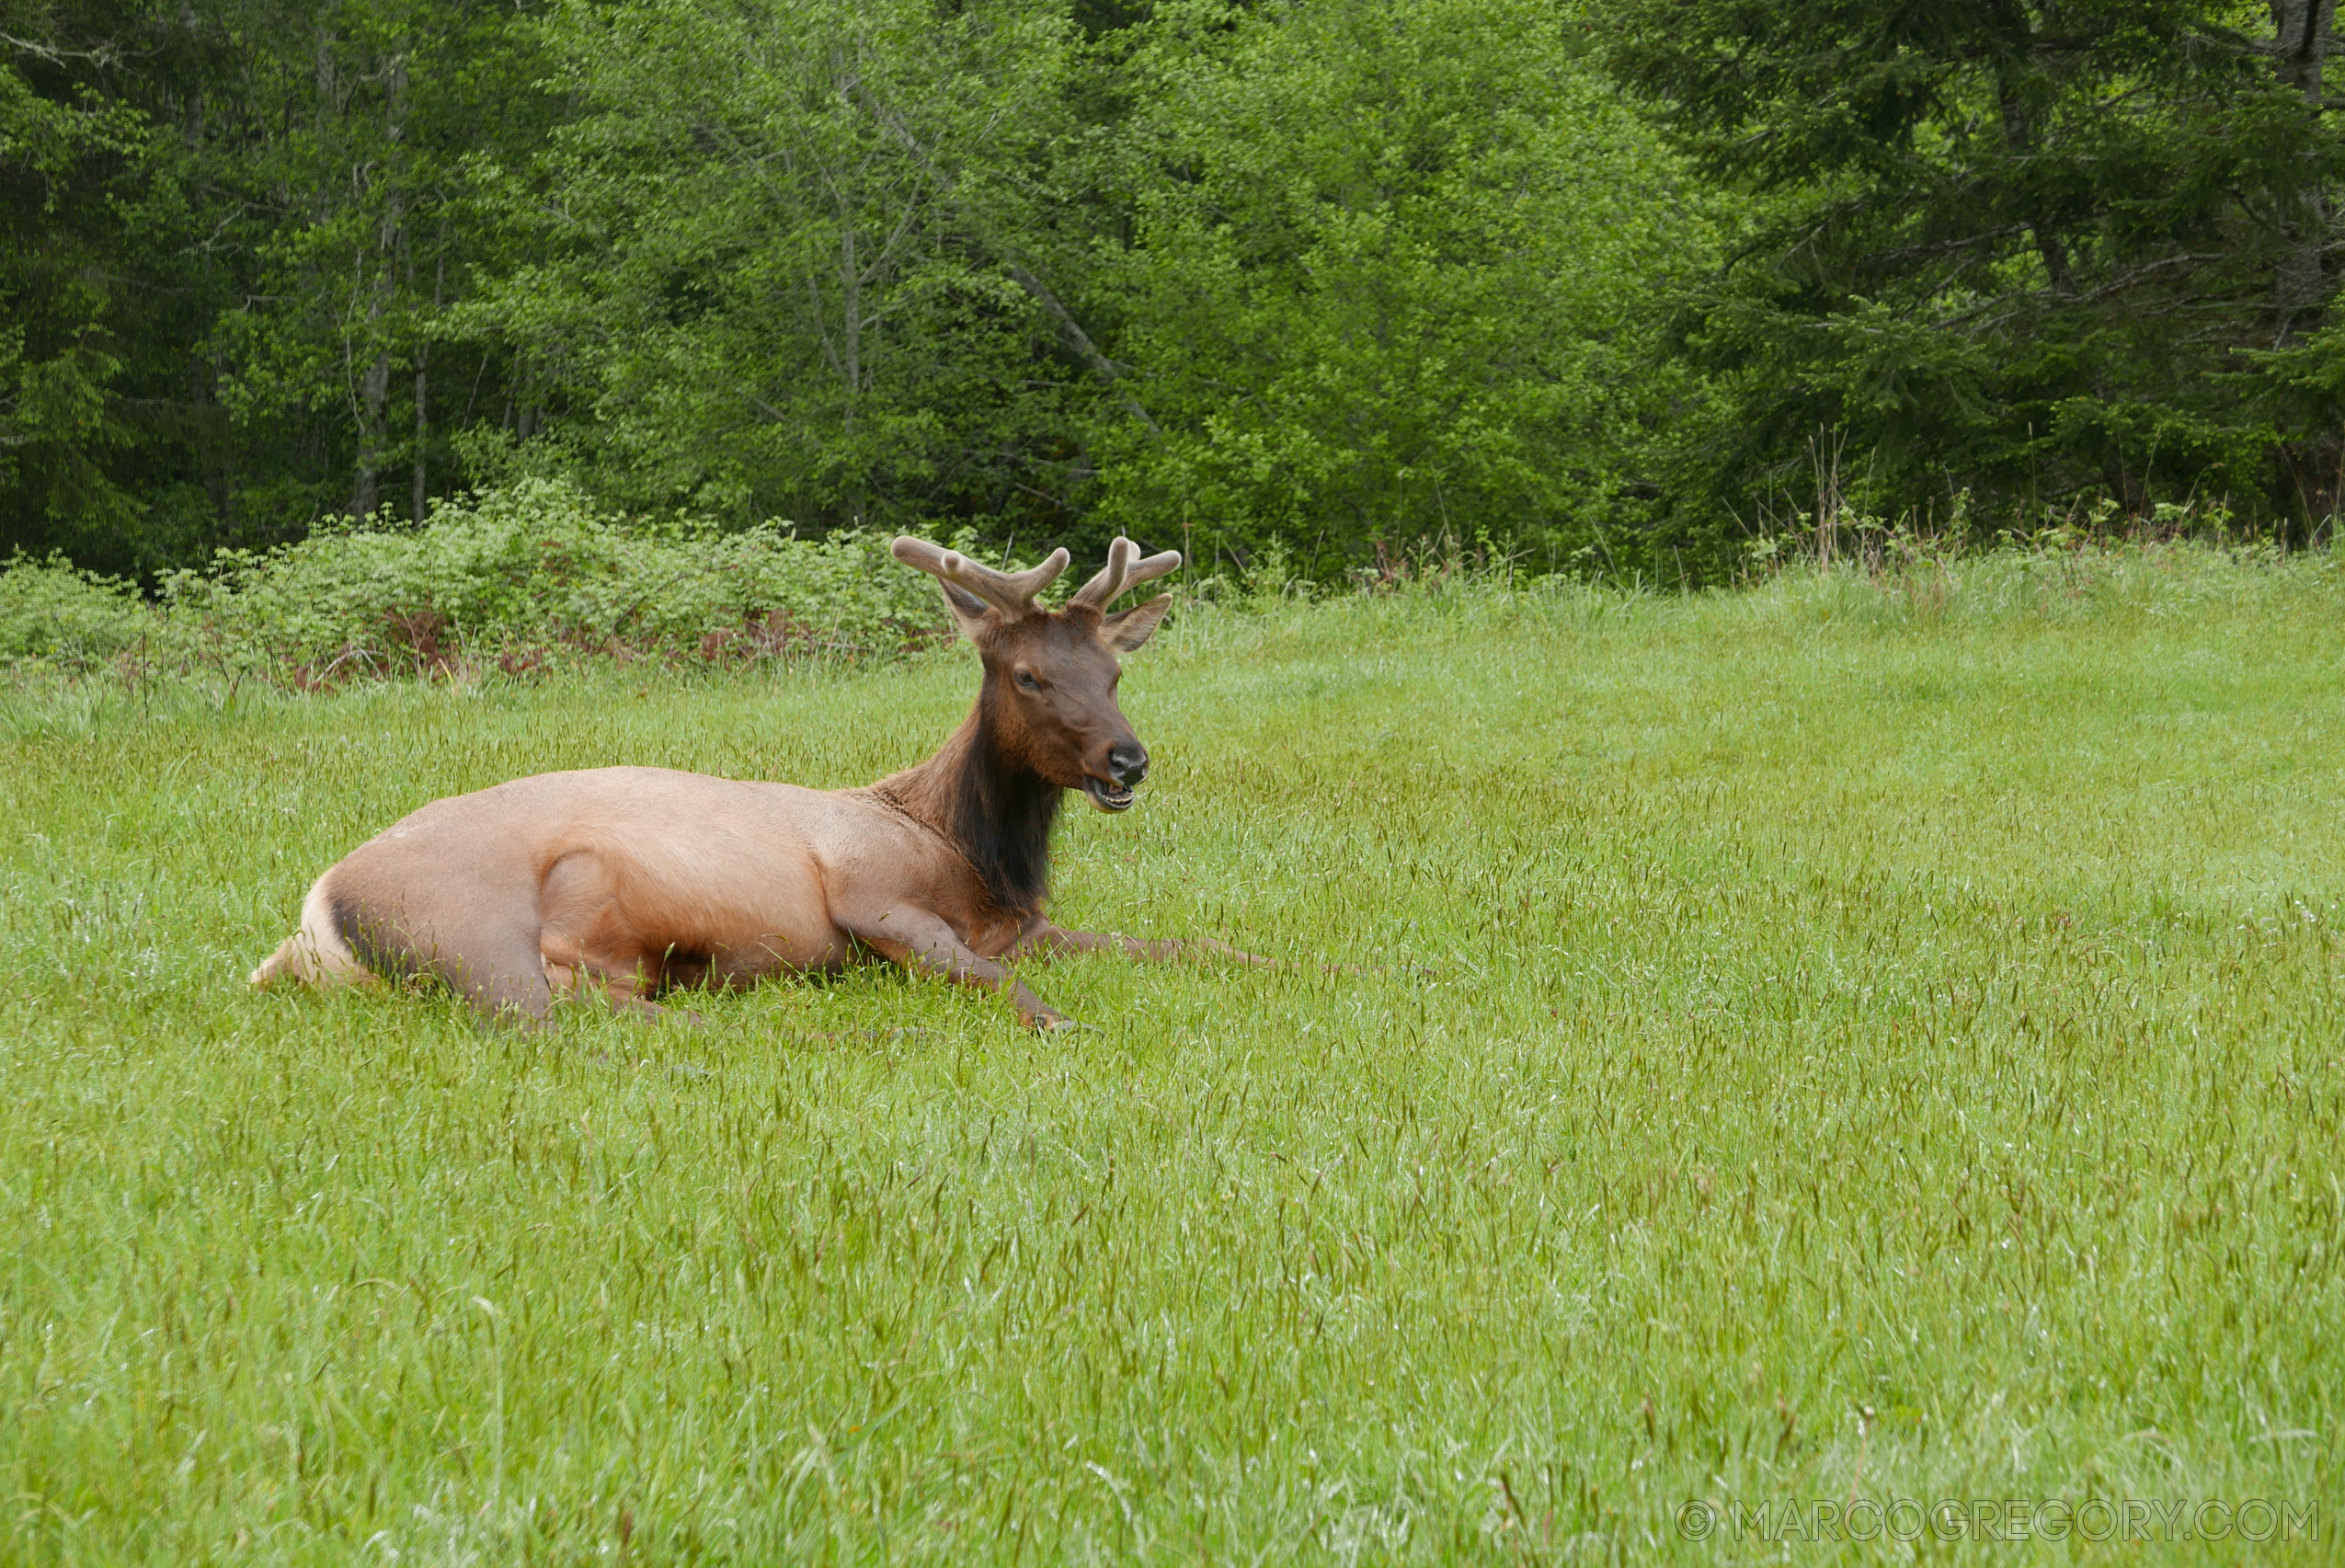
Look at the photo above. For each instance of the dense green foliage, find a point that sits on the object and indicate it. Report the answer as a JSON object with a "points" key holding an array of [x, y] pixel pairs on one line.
{"points": [[1614, 283], [240, 226], [1832, 1040], [764, 259], [2024, 247], [1399, 289]]}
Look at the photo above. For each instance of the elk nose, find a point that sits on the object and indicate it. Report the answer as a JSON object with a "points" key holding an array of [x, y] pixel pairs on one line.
{"points": [[1127, 761]]}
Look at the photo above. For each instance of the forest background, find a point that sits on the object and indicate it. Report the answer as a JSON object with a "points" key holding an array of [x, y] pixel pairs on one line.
{"points": [[1617, 286]]}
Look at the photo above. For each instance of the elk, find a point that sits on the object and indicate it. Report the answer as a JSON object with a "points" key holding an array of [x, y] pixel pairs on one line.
{"points": [[642, 880]]}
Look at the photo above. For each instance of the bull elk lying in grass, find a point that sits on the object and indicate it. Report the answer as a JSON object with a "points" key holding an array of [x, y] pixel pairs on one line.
{"points": [[643, 880]]}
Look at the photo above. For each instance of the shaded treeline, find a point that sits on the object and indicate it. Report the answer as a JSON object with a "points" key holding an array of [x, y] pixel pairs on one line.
{"points": [[1612, 284], [2039, 252]]}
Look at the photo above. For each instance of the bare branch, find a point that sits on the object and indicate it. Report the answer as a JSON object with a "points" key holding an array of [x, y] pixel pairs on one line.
{"points": [[104, 54]]}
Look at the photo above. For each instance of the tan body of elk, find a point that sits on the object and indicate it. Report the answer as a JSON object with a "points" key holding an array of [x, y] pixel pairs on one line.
{"points": [[639, 879]]}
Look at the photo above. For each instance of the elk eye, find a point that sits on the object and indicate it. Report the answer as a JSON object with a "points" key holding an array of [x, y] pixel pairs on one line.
{"points": [[1026, 678]]}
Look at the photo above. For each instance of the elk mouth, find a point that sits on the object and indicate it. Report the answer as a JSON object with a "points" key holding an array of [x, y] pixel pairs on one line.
{"points": [[1107, 797]]}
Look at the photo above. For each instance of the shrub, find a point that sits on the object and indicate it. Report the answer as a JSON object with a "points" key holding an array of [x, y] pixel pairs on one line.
{"points": [[534, 569], [54, 613], [517, 577]]}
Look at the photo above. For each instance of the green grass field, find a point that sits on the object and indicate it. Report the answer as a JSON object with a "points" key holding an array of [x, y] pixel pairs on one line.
{"points": [[1815, 1044]]}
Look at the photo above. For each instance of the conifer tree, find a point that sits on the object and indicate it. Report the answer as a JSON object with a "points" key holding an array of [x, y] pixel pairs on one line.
{"points": [[2031, 248]]}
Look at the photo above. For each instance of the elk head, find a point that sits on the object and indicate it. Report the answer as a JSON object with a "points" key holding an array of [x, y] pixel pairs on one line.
{"points": [[1049, 694]]}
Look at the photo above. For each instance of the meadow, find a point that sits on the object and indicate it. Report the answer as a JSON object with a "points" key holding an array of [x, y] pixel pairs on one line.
{"points": [[1829, 1043]]}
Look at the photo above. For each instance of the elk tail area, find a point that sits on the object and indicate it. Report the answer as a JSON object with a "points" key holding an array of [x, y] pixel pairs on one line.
{"points": [[317, 953]]}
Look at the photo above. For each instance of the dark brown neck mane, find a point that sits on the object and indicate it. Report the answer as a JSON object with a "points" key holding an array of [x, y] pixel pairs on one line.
{"points": [[994, 808]]}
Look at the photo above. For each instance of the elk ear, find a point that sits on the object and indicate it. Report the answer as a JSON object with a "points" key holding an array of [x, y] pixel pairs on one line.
{"points": [[972, 614], [1126, 629]]}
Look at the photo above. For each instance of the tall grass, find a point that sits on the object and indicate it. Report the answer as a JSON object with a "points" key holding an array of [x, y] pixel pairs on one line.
{"points": [[1819, 1042]]}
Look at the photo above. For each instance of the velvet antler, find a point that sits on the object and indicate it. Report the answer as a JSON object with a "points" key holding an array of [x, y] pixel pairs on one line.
{"points": [[1013, 593], [1123, 571]]}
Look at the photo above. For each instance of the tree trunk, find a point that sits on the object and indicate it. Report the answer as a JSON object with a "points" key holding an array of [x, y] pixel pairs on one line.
{"points": [[423, 435], [423, 361], [374, 387], [2300, 48], [2019, 135], [375, 392], [851, 319]]}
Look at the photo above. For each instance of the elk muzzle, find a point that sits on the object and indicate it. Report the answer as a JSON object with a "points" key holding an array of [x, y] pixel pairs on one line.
{"points": [[1127, 766]]}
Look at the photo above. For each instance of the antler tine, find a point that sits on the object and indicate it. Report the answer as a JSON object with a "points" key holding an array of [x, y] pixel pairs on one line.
{"points": [[1108, 581], [1013, 593], [1149, 569], [1017, 587], [1123, 572]]}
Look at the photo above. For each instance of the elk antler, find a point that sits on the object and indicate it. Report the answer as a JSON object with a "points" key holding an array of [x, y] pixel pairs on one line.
{"points": [[1009, 592], [1122, 572]]}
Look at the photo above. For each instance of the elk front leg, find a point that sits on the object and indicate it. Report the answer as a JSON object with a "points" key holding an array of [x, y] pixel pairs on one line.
{"points": [[918, 940], [1047, 940]]}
